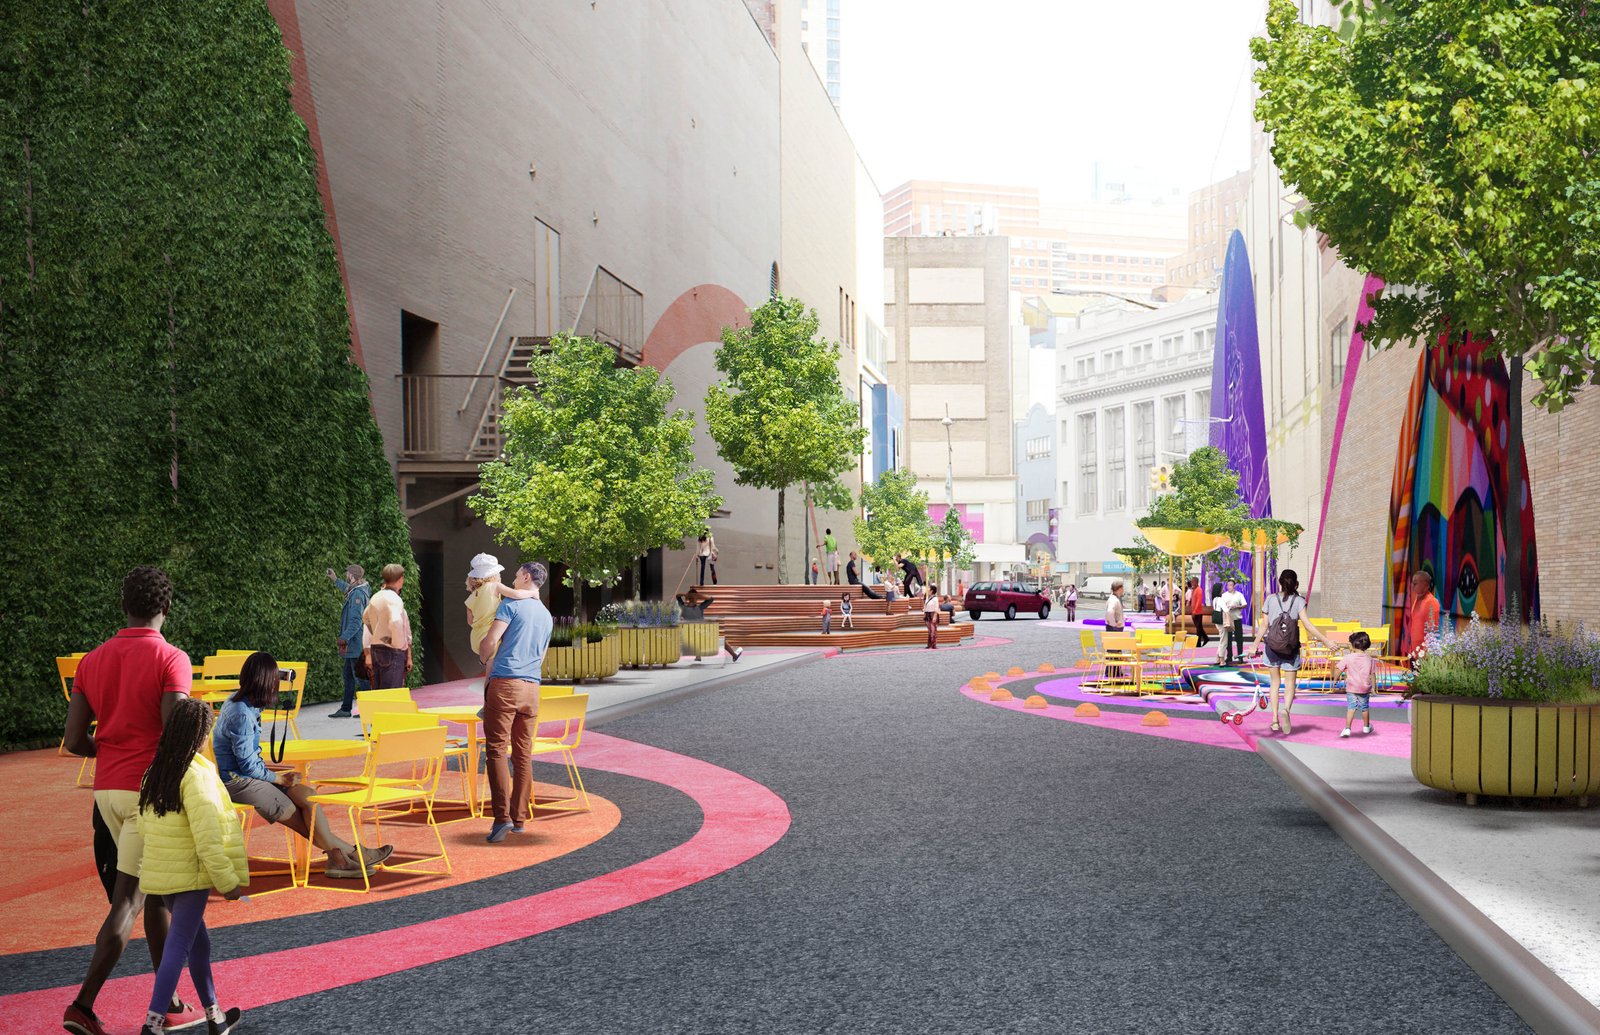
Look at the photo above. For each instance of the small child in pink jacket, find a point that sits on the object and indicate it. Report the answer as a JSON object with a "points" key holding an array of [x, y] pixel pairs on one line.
{"points": [[1357, 669]]}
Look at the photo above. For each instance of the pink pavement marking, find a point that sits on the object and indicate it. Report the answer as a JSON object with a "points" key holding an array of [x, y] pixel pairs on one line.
{"points": [[1196, 725]]}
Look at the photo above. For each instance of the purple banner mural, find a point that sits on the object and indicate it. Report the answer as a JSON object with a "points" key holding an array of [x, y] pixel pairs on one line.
{"points": [[1236, 382], [1241, 431]]}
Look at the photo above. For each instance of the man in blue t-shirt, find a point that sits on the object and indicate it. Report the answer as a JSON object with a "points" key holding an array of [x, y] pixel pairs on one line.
{"points": [[515, 644]]}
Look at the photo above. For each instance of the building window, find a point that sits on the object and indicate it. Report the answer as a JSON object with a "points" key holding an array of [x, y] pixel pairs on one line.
{"points": [[1202, 404], [1116, 459], [1111, 360], [1203, 340], [1037, 448], [1088, 464], [1171, 345], [1339, 348], [1172, 418], [1142, 352], [1038, 510], [1144, 450]]}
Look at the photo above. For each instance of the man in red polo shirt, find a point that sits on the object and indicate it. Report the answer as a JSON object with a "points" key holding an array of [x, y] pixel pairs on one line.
{"points": [[127, 685], [1421, 614]]}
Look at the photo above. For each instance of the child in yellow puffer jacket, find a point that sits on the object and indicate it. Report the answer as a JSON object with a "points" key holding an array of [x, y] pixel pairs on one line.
{"points": [[192, 844]]}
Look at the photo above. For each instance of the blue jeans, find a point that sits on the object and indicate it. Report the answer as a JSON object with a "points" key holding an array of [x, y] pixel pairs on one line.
{"points": [[352, 682]]}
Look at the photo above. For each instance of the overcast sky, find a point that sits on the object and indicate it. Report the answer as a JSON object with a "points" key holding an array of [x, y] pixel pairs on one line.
{"points": [[1032, 92]]}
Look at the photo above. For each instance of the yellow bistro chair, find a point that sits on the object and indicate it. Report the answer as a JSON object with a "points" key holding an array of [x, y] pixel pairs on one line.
{"points": [[67, 669], [423, 748], [1121, 667], [385, 715], [1091, 649], [566, 711], [399, 693], [248, 819]]}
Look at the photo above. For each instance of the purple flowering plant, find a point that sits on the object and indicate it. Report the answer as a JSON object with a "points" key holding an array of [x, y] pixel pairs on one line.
{"points": [[1512, 661]]}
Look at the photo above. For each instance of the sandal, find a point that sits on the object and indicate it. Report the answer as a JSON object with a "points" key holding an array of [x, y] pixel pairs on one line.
{"points": [[1287, 726]]}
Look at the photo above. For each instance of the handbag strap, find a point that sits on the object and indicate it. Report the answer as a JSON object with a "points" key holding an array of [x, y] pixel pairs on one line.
{"points": [[278, 736]]}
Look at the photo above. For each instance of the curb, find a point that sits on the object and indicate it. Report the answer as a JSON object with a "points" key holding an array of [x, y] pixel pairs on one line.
{"points": [[639, 704], [1548, 1004]]}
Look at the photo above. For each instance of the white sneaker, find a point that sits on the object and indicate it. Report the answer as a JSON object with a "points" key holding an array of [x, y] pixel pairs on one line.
{"points": [[1344, 732], [1367, 728]]}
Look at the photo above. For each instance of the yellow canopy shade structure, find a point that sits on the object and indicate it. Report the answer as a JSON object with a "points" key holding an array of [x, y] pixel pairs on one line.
{"points": [[1183, 542]]}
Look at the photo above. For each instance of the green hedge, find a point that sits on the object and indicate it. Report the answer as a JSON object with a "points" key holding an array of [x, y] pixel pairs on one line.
{"points": [[176, 385]]}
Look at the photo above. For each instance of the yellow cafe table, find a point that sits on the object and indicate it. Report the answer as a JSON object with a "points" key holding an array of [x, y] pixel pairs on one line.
{"points": [[465, 715]]}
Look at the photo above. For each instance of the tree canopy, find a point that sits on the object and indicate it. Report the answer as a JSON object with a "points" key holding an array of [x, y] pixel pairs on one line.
{"points": [[895, 518], [1451, 146], [779, 415], [952, 541], [595, 470], [1205, 497]]}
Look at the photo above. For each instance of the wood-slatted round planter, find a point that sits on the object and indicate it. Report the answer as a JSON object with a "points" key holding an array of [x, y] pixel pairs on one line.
{"points": [[1514, 749], [700, 639], [598, 659], [659, 645]]}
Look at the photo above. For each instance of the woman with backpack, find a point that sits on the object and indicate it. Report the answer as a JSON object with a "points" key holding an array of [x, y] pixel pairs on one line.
{"points": [[1284, 614]]}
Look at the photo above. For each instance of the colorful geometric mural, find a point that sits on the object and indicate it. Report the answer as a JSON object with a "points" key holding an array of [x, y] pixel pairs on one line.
{"points": [[1447, 503]]}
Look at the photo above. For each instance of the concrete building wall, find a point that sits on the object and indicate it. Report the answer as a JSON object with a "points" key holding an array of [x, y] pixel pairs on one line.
{"points": [[1124, 384], [474, 151], [1036, 475]]}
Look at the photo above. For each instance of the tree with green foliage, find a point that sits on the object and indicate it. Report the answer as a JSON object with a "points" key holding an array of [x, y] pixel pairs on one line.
{"points": [[953, 543], [1142, 557], [595, 470], [779, 416], [1205, 497], [1450, 145], [894, 519], [176, 380]]}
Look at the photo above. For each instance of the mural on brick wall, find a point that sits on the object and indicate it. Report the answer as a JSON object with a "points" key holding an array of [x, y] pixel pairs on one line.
{"points": [[1448, 499]]}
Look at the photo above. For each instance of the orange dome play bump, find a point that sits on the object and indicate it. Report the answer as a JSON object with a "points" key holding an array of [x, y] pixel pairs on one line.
{"points": [[1155, 719], [1087, 710], [1035, 701], [1001, 694]]}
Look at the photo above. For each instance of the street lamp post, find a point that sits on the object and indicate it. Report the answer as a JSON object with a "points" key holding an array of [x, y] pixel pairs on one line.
{"points": [[949, 481]]}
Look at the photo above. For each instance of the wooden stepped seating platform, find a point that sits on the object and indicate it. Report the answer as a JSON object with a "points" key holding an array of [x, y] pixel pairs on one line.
{"points": [[787, 616]]}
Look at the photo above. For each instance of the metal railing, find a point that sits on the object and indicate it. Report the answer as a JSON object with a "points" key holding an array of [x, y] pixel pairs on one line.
{"points": [[431, 426]]}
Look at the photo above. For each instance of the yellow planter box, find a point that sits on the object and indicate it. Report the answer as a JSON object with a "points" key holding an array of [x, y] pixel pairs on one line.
{"points": [[657, 646], [1515, 749], [701, 639], [596, 660]]}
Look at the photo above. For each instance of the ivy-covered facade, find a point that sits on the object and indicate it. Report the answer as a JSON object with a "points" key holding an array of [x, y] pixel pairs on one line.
{"points": [[176, 381]]}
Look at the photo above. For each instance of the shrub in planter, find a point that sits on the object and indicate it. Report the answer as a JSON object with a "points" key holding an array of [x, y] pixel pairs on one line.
{"points": [[647, 631], [1509, 710]]}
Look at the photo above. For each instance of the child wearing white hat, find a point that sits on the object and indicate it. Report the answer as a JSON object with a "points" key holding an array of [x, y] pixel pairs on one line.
{"points": [[484, 593]]}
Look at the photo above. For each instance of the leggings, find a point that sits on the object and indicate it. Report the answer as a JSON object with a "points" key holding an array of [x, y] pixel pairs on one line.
{"points": [[1200, 628], [187, 942]]}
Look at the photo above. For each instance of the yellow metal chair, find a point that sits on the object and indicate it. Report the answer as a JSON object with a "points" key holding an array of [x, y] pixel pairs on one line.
{"points": [[385, 715], [67, 669], [1122, 667], [219, 672], [399, 693], [566, 711], [421, 747], [1091, 650], [291, 714], [248, 818]]}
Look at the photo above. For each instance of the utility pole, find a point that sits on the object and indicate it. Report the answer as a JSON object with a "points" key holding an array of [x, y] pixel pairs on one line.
{"points": [[949, 484]]}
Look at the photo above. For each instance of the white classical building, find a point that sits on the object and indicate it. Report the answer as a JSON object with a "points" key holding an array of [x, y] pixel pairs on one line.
{"points": [[1129, 384]]}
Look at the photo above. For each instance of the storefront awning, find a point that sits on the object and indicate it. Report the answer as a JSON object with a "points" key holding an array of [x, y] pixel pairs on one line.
{"points": [[1000, 553]]}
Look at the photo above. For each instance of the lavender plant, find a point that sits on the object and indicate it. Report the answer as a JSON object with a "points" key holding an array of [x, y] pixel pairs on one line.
{"points": [[645, 614], [1512, 661]]}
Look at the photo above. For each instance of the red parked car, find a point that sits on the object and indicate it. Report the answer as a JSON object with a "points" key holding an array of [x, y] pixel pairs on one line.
{"points": [[1007, 598]]}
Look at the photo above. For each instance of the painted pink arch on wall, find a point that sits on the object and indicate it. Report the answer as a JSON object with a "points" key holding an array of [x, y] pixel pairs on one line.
{"points": [[698, 315]]}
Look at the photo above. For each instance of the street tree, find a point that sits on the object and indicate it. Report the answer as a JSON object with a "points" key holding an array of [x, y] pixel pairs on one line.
{"points": [[595, 470], [953, 543], [894, 518], [1204, 496], [779, 415], [1449, 146]]}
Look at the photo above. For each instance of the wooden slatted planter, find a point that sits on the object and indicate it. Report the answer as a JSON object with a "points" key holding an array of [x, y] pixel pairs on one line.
{"points": [[1514, 749]]}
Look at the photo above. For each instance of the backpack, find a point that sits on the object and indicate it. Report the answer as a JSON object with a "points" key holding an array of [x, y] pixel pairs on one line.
{"points": [[1283, 632]]}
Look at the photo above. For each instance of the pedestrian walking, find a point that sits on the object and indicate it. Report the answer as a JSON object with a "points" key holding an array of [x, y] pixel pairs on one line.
{"points": [[356, 595], [126, 688], [386, 633], [517, 641], [1116, 617], [1071, 602], [930, 614], [830, 550], [1357, 669], [706, 551], [192, 846], [1197, 606], [1235, 604], [1285, 616]]}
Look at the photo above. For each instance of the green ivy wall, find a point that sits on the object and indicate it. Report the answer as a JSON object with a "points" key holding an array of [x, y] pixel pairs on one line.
{"points": [[176, 384]]}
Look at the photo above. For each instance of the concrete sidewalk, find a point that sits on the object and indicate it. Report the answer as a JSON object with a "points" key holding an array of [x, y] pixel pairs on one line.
{"points": [[1508, 885]]}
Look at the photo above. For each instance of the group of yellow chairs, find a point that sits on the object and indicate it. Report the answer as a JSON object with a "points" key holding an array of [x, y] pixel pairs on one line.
{"points": [[1141, 663]]}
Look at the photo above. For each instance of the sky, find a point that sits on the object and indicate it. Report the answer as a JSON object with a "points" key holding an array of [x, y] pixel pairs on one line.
{"points": [[1033, 92]]}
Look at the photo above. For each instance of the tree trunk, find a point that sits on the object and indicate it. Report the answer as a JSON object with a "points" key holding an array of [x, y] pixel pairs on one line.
{"points": [[1516, 485], [783, 544]]}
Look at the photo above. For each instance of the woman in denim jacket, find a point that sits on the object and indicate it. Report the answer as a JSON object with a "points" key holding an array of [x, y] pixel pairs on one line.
{"points": [[236, 741]]}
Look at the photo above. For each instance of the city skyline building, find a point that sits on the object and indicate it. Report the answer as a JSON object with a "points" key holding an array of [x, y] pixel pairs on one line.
{"points": [[1215, 211], [821, 39]]}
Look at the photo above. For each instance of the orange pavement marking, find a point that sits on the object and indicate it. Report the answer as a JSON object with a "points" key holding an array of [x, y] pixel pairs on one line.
{"points": [[53, 898]]}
